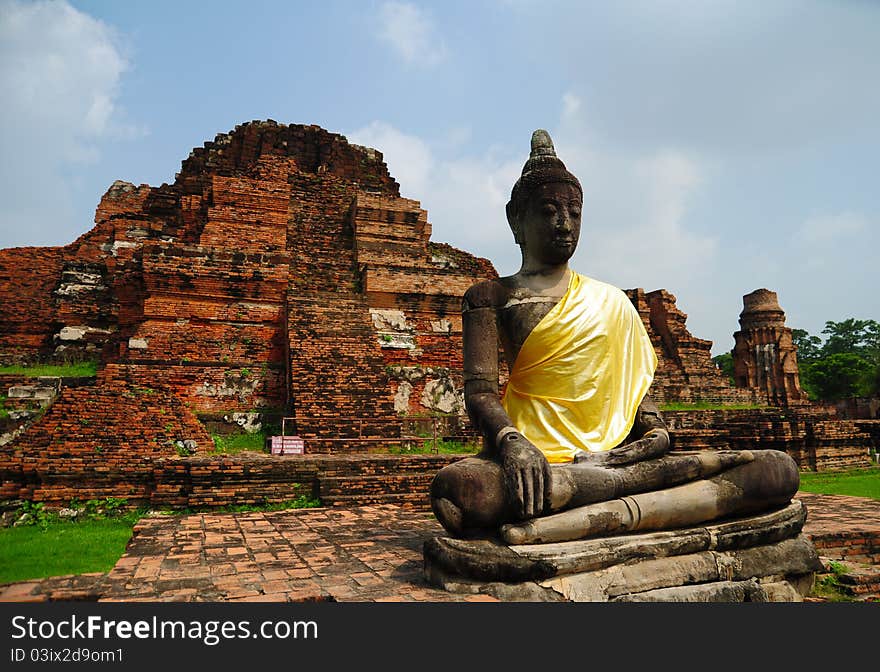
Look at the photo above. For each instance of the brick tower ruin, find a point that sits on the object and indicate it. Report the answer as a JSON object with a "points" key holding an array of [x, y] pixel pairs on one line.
{"points": [[280, 273], [764, 354]]}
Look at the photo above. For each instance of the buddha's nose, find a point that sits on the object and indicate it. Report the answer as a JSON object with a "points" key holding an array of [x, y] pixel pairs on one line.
{"points": [[563, 223]]}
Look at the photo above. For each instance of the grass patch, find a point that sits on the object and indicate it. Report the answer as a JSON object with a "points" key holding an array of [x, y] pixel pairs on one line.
{"points": [[427, 447], [828, 586], [301, 502], [60, 548], [75, 370], [238, 443], [708, 406], [49, 546], [856, 482]]}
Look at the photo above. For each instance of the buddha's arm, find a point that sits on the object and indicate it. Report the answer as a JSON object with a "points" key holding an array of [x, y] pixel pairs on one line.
{"points": [[526, 471]]}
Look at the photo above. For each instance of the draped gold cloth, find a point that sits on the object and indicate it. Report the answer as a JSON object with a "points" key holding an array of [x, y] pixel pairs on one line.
{"points": [[579, 378]]}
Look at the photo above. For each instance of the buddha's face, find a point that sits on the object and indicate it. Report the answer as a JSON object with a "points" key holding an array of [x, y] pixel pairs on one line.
{"points": [[549, 225]]}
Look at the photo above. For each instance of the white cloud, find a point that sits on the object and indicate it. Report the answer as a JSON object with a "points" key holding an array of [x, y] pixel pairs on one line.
{"points": [[825, 229], [409, 31], [59, 75], [571, 106], [636, 207], [635, 231], [464, 195], [408, 158]]}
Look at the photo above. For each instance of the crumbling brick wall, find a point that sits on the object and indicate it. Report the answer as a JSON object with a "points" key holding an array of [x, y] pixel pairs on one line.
{"points": [[685, 370], [99, 441]]}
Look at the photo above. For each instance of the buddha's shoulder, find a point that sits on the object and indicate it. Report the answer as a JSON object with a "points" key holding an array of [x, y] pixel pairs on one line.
{"points": [[486, 294], [595, 286]]}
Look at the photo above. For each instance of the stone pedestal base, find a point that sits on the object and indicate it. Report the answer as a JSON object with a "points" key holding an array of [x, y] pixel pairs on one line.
{"points": [[763, 558]]}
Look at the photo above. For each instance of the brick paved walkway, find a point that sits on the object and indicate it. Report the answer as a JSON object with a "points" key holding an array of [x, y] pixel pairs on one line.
{"points": [[364, 554]]}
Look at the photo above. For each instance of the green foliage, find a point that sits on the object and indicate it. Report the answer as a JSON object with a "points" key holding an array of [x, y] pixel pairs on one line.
{"points": [[303, 501], [240, 442], [724, 362], [859, 336], [830, 589], [846, 365], [839, 376], [809, 348], [86, 369], [427, 447], [34, 513], [855, 482]]}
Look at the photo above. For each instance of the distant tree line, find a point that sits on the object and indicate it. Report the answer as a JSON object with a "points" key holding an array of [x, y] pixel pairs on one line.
{"points": [[845, 365]]}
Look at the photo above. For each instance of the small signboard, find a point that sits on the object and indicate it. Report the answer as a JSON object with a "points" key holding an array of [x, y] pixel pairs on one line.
{"points": [[287, 445]]}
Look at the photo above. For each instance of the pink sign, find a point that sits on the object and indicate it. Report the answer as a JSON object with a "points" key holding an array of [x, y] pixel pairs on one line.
{"points": [[287, 445]]}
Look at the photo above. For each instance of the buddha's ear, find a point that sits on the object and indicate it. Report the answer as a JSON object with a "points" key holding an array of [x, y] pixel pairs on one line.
{"points": [[513, 222]]}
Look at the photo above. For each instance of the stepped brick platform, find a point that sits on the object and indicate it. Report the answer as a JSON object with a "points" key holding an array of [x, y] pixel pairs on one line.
{"points": [[257, 478], [363, 554], [816, 441]]}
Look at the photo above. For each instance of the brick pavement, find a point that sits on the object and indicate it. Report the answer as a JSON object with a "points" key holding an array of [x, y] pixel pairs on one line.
{"points": [[363, 554]]}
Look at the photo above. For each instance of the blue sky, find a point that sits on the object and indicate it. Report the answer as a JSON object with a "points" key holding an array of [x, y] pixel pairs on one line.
{"points": [[723, 146]]}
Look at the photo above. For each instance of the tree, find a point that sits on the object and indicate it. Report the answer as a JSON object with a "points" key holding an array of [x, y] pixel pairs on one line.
{"points": [[839, 376], [724, 362], [809, 347], [855, 336], [846, 365]]}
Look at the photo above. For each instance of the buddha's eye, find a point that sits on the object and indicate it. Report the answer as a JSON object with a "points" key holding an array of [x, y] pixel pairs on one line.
{"points": [[548, 209], [575, 212]]}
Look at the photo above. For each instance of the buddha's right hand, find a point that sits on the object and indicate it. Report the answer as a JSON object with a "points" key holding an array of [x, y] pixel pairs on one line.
{"points": [[526, 475]]}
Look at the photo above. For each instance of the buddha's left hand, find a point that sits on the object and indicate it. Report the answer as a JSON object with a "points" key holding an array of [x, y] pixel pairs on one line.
{"points": [[653, 444]]}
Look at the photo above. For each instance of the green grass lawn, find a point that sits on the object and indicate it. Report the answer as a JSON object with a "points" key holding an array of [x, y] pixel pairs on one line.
{"points": [[77, 370], [857, 482], [59, 548]]}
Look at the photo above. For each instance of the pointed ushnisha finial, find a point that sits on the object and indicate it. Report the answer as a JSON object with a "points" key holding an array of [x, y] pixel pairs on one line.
{"points": [[541, 167], [542, 145]]}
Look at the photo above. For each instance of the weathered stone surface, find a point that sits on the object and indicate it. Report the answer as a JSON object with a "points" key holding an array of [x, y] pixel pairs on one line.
{"points": [[487, 560], [785, 567]]}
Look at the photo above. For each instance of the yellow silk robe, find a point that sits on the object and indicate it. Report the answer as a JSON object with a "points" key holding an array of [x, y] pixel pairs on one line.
{"points": [[579, 378]]}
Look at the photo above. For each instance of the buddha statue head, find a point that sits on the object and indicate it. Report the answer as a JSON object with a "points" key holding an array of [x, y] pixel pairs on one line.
{"points": [[544, 211]]}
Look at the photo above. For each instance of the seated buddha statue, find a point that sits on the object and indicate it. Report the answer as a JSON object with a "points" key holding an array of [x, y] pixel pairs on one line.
{"points": [[575, 447]]}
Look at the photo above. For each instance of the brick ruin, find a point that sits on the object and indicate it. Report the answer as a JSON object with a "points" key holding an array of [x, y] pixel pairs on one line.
{"points": [[764, 354], [685, 370], [282, 271], [280, 275]]}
